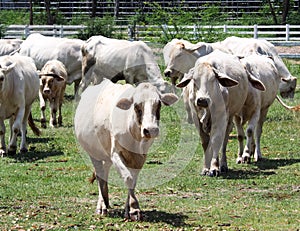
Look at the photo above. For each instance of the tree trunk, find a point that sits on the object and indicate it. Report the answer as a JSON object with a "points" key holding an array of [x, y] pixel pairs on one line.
{"points": [[30, 13], [116, 13], [94, 8], [285, 10], [48, 13], [272, 12]]}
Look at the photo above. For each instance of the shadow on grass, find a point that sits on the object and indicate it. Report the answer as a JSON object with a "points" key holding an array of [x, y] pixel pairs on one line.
{"points": [[154, 216], [32, 155], [265, 167]]}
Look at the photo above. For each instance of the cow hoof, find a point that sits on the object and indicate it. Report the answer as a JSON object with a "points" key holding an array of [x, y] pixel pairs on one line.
{"points": [[224, 169], [213, 173], [239, 160], [12, 152], [101, 212], [23, 150], [205, 172], [136, 216], [246, 159]]}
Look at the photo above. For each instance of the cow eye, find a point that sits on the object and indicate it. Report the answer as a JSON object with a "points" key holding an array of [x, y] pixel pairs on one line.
{"points": [[157, 113], [139, 112]]}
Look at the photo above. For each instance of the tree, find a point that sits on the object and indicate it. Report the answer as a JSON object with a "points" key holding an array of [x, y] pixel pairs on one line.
{"points": [[30, 13], [285, 7], [94, 8], [50, 18], [285, 10]]}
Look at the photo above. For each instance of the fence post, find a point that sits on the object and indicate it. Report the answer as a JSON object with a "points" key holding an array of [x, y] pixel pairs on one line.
{"points": [[287, 32], [61, 31], [255, 32], [130, 33], [195, 31], [26, 31], [225, 29]]}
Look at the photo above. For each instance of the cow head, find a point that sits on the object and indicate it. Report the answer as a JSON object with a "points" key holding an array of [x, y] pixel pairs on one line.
{"points": [[145, 104], [206, 83], [182, 58], [287, 87], [48, 82], [4, 70]]}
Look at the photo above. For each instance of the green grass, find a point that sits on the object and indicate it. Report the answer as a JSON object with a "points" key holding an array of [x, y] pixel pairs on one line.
{"points": [[47, 188]]}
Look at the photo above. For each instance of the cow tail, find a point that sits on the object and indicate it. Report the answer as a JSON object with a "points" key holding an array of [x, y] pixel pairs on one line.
{"points": [[32, 125], [291, 108], [93, 178]]}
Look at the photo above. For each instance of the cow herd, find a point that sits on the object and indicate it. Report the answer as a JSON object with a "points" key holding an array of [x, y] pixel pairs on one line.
{"points": [[226, 83]]}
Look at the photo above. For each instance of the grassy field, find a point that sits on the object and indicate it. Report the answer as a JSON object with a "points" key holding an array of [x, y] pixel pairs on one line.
{"points": [[48, 189]]}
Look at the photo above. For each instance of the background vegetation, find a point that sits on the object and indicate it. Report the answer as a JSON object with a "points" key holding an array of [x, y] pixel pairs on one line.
{"points": [[272, 12]]}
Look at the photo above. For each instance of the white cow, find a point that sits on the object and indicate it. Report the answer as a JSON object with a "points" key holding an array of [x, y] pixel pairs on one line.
{"points": [[8, 46], [220, 87], [116, 124], [68, 51], [19, 87], [117, 59], [52, 88], [247, 46], [257, 104], [180, 56]]}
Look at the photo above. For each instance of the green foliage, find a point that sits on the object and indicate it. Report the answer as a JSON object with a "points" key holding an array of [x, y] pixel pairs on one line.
{"points": [[98, 26], [10, 17]]}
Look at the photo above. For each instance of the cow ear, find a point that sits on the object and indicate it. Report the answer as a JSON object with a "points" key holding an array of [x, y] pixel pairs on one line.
{"points": [[125, 103], [168, 98], [253, 79], [224, 79], [256, 83], [7, 69], [184, 83]]}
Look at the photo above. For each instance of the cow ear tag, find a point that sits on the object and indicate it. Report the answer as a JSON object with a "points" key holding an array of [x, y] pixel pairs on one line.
{"points": [[124, 103]]}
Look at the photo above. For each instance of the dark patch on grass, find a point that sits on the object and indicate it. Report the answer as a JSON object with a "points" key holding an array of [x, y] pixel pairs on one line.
{"points": [[266, 164], [235, 174], [33, 156], [154, 216]]}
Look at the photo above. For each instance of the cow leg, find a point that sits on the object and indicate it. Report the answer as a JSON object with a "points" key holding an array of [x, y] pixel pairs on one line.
{"points": [[258, 132], [223, 164], [60, 101], [129, 175], [14, 125], [240, 137], [102, 171], [53, 110], [250, 144], [43, 108], [2, 138], [23, 145]]}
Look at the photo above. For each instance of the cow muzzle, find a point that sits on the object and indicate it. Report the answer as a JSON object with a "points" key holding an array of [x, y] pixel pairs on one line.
{"points": [[167, 73], [151, 132], [46, 91], [202, 102]]}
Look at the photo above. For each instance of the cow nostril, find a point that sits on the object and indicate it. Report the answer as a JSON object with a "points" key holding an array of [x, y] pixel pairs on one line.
{"points": [[202, 102], [167, 73], [152, 132], [46, 91]]}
